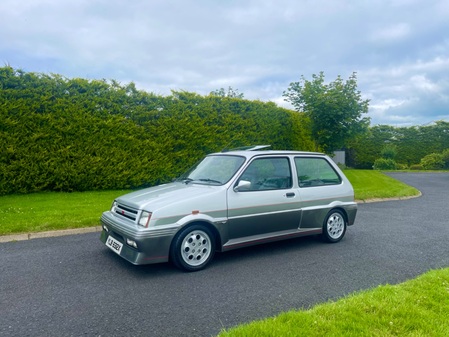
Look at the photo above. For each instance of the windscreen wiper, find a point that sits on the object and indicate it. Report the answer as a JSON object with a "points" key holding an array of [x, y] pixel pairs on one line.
{"points": [[210, 180]]}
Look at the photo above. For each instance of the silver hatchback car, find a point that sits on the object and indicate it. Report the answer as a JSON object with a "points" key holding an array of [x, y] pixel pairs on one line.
{"points": [[230, 200]]}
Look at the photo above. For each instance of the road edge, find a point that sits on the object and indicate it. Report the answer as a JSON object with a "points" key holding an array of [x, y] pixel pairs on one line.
{"points": [[48, 234], [388, 199]]}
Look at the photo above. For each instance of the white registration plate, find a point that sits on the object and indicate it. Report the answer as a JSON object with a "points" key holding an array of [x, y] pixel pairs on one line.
{"points": [[115, 245]]}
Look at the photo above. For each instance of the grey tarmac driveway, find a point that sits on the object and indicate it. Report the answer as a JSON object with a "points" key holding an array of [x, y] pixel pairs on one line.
{"points": [[74, 286]]}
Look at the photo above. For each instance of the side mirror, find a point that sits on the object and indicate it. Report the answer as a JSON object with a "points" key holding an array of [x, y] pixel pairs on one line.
{"points": [[243, 185]]}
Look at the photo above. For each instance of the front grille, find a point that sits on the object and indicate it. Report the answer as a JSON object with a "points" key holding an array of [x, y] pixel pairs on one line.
{"points": [[126, 212]]}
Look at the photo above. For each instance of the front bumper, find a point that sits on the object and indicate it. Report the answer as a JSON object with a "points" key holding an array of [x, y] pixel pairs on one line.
{"points": [[153, 245]]}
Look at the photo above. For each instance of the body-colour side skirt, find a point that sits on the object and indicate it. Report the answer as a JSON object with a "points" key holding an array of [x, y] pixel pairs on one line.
{"points": [[277, 236]]}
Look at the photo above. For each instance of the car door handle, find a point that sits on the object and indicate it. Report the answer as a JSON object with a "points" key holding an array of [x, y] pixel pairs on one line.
{"points": [[290, 195]]}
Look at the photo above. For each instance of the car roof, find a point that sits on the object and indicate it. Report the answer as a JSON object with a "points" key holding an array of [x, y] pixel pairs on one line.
{"points": [[250, 153]]}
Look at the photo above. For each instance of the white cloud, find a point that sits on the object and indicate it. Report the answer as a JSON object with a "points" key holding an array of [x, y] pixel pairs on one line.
{"points": [[398, 48], [392, 33]]}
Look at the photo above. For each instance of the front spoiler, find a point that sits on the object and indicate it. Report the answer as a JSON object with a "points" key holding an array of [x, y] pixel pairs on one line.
{"points": [[150, 249]]}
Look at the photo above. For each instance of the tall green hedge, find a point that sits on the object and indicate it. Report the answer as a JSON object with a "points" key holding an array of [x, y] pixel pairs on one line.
{"points": [[60, 134], [411, 143]]}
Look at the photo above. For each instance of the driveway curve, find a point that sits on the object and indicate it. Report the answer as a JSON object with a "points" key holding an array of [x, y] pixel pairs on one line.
{"points": [[73, 285]]}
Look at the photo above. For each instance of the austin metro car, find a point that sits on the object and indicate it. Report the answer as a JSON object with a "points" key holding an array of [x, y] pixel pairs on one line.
{"points": [[230, 200]]}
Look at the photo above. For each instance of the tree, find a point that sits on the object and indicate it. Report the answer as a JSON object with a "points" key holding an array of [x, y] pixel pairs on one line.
{"points": [[389, 151], [433, 161], [231, 93], [387, 162], [445, 156], [335, 109]]}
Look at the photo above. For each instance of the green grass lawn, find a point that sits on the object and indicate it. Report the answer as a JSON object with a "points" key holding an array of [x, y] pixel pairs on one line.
{"points": [[419, 307], [38, 212], [370, 184]]}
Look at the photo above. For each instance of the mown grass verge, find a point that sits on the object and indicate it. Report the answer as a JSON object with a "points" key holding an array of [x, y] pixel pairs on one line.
{"points": [[419, 307], [46, 211], [371, 184], [39, 212]]}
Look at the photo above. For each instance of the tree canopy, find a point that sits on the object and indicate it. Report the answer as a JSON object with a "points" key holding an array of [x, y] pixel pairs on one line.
{"points": [[335, 110], [411, 143], [230, 92]]}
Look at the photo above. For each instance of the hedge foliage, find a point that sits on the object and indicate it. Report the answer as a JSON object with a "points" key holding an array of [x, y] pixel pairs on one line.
{"points": [[411, 144], [433, 161], [64, 134], [384, 164]]}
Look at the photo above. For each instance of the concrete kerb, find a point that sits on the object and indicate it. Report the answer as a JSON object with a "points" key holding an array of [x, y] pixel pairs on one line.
{"points": [[49, 234], [388, 199]]}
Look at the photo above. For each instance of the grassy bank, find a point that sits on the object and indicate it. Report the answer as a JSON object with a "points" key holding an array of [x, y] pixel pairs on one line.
{"points": [[370, 184], [39, 212], [51, 211], [419, 307]]}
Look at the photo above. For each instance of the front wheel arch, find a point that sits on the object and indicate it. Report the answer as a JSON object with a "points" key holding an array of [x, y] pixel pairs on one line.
{"points": [[207, 224], [204, 235]]}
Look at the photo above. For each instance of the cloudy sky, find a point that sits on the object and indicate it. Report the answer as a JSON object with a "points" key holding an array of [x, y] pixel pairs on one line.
{"points": [[399, 48]]}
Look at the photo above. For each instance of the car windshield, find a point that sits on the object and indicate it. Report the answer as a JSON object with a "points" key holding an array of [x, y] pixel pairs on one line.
{"points": [[216, 169]]}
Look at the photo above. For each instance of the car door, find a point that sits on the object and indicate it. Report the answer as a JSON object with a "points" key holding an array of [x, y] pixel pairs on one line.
{"points": [[267, 203], [320, 186]]}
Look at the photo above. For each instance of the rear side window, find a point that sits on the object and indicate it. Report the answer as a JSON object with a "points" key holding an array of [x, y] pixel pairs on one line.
{"points": [[315, 172]]}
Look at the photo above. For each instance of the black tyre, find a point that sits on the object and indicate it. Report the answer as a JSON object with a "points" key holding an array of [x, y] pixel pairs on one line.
{"points": [[193, 248], [334, 226]]}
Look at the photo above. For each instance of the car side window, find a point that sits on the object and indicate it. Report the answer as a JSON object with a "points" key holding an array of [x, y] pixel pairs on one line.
{"points": [[268, 174], [315, 172]]}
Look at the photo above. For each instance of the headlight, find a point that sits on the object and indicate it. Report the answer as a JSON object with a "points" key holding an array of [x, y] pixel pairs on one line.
{"points": [[114, 205], [144, 219]]}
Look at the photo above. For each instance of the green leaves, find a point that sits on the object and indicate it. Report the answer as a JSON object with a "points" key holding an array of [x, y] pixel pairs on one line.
{"points": [[408, 145], [335, 109], [233, 93], [75, 135]]}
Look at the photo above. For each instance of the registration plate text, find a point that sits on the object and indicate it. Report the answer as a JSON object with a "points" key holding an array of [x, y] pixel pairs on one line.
{"points": [[115, 245]]}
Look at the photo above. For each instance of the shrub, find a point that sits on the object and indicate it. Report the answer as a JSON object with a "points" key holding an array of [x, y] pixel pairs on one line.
{"points": [[416, 167], [401, 166], [445, 155], [389, 151], [384, 164], [413, 143], [433, 161]]}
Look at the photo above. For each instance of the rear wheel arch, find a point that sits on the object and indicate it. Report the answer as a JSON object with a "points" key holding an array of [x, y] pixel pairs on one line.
{"points": [[345, 214], [334, 225]]}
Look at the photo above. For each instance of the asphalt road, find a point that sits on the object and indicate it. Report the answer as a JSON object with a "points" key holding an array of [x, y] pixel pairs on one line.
{"points": [[74, 286]]}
